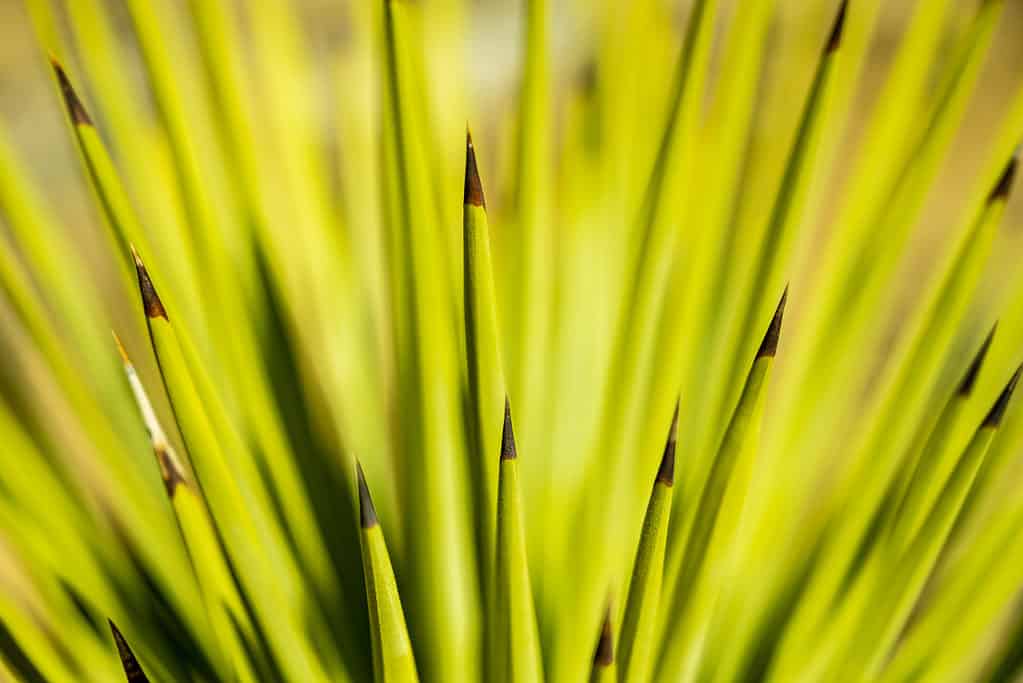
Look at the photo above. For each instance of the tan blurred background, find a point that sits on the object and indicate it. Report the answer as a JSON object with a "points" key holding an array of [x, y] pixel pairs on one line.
{"points": [[28, 107]]}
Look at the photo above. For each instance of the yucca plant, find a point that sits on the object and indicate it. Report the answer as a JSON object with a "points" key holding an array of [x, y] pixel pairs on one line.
{"points": [[697, 396]]}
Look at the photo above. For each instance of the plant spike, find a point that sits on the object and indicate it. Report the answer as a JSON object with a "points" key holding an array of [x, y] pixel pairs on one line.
{"points": [[442, 596], [604, 654], [393, 659], [647, 259], [132, 669], [903, 586], [228, 615], [787, 210], [713, 519], [928, 466], [231, 485], [120, 216], [485, 373], [516, 641], [637, 643], [534, 196], [813, 149], [910, 373]]}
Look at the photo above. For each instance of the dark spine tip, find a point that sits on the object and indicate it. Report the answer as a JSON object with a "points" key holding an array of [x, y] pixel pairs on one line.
{"points": [[367, 513], [150, 299], [75, 108], [508, 451], [473, 186], [132, 668], [1003, 188], [769, 346], [604, 655], [588, 77], [169, 472], [997, 412], [972, 372], [666, 470], [835, 39]]}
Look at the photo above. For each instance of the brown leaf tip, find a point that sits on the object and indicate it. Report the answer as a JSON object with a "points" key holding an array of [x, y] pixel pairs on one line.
{"points": [[666, 470], [604, 655], [835, 39], [150, 299], [132, 669], [508, 451], [1003, 188], [367, 513], [997, 412], [970, 378], [473, 186], [769, 346], [75, 108], [169, 471]]}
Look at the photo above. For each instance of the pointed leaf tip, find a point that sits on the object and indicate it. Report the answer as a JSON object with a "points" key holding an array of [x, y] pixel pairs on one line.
{"points": [[75, 108], [473, 186], [508, 451], [666, 470], [1003, 188], [604, 655], [367, 513], [835, 39], [170, 471], [769, 346], [997, 412], [970, 378], [132, 669], [150, 299]]}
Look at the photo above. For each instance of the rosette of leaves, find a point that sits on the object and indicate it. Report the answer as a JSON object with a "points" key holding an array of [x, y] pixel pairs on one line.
{"points": [[692, 398]]}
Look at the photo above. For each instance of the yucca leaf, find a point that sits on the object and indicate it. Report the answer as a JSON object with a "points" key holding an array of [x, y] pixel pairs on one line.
{"points": [[516, 642], [639, 622], [485, 375], [728, 476], [482, 343], [231, 487], [928, 469], [646, 262], [901, 590], [786, 211], [121, 218], [443, 601], [139, 149], [931, 333], [393, 660], [888, 587], [531, 323], [227, 613]]}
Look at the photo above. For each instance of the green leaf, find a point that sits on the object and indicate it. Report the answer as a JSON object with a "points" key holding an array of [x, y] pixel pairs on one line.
{"points": [[393, 659]]}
